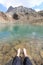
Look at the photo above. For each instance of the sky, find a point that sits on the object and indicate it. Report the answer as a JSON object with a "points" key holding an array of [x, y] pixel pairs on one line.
{"points": [[35, 4]]}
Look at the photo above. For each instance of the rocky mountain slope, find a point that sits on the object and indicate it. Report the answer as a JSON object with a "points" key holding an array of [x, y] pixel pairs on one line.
{"points": [[41, 13], [21, 15]]}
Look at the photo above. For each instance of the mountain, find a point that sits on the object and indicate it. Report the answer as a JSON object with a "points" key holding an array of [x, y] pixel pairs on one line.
{"points": [[10, 9], [3, 16], [41, 12], [3, 8], [20, 9], [22, 15]]}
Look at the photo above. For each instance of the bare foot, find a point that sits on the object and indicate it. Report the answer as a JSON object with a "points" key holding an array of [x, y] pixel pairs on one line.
{"points": [[18, 52], [25, 53]]}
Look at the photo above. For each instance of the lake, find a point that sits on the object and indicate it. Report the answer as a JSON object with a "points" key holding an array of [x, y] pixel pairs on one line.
{"points": [[21, 31]]}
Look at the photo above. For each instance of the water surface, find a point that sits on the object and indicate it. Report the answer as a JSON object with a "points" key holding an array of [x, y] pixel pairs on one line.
{"points": [[18, 31]]}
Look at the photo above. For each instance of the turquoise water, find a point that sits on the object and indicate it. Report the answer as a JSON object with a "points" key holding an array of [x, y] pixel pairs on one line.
{"points": [[21, 31]]}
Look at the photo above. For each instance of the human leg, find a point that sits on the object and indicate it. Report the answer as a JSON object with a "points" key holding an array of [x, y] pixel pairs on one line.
{"points": [[17, 59], [27, 61]]}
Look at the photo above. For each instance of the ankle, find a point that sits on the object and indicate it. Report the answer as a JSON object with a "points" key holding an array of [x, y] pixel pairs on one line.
{"points": [[18, 55]]}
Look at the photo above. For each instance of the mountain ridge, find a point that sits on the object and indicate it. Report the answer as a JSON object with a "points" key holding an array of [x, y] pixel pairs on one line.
{"points": [[20, 9]]}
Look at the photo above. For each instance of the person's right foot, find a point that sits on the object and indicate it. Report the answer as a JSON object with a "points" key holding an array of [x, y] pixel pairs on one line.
{"points": [[25, 53], [18, 52]]}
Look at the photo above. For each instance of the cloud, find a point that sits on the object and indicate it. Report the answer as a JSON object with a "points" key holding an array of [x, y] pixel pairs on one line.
{"points": [[26, 3], [37, 10]]}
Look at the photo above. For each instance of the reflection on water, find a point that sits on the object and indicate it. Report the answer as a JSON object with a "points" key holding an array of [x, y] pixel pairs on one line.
{"points": [[21, 31]]}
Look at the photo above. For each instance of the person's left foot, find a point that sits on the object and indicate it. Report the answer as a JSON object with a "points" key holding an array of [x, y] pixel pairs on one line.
{"points": [[18, 52], [25, 52]]}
